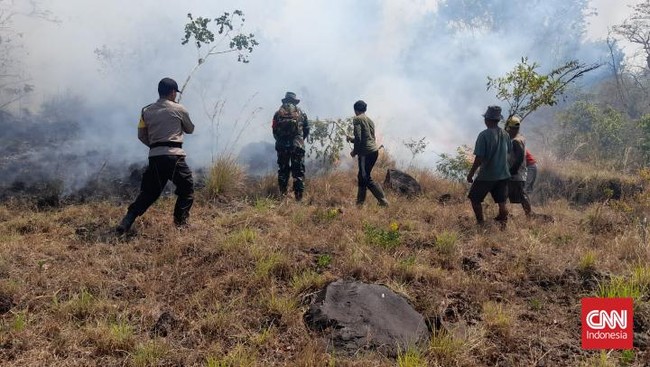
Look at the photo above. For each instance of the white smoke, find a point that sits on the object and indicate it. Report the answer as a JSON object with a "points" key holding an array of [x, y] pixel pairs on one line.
{"points": [[418, 78]]}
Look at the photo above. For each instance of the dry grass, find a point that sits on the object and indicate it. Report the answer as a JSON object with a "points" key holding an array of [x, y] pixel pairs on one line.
{"points": [[238, 282]]}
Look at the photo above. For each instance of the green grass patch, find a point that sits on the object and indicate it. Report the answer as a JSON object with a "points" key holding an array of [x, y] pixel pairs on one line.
{"points": [[412, 357], [19, 321], [307, 280], [388, 239], [446, 242], [620, 287], [239, 356], [496, 318], [225, 178], [587, 262], [323, 260], [444, 347], [149, 354]]}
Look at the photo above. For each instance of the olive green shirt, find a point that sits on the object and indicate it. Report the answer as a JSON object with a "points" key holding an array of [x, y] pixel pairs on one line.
{"points": [[364, 135]]}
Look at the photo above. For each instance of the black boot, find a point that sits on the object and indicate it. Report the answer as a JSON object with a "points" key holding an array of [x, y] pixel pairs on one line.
{"points": [[379, 194], [126, 223], [361, 195]]}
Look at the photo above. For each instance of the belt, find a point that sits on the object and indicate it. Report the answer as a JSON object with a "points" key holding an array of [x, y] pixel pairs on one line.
{"points": [[171, 144]]}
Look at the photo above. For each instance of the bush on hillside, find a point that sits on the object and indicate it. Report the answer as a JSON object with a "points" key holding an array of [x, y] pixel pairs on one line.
{"points": [[226, 178]]}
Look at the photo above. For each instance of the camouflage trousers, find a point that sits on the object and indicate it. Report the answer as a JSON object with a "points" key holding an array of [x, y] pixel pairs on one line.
{"points": [[291, 161]]}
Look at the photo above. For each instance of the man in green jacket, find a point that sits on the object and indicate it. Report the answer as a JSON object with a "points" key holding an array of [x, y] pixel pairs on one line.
{"points": [[365, 147]]}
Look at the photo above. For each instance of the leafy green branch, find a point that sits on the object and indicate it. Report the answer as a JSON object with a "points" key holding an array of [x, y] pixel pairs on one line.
{"points": [[227, 37], [327, 139], [525, 89], [455, 167]]}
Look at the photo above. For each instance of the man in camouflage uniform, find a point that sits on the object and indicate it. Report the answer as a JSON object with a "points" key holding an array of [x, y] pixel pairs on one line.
{"points": [[290, 129], [161, 128]]}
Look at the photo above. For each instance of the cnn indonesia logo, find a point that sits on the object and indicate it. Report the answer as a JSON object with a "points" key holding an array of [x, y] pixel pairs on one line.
{"points": [[607, 323]]}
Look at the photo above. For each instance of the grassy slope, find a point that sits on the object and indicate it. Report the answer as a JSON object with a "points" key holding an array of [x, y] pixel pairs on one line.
{"points": [[238, 282]]}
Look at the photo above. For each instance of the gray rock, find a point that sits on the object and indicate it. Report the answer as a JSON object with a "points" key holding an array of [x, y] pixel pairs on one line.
{"points": [[402, 182], [366, 316]]}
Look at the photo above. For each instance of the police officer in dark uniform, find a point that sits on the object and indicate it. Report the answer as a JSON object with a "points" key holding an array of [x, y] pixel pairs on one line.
{"points": [[290, 129], [161, 128]]}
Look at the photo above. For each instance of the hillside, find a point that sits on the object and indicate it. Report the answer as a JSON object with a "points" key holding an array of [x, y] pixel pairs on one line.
{"points": [[232, 289]]}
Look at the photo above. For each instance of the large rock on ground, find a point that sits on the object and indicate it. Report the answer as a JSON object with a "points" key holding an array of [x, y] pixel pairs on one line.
{"points": [[402, 182], [366, 316]]}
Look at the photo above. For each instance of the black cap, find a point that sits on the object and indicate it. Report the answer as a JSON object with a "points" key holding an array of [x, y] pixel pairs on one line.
{"points": [[166, 86]]}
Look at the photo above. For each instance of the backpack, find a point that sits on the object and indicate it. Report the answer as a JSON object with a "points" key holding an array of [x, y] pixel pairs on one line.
{"points": [[288, 122]]}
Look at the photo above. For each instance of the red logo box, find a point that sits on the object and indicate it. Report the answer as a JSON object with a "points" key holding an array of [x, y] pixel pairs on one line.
{"points": [[607, 323]]}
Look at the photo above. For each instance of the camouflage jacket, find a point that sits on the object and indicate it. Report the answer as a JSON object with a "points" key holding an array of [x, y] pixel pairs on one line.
{"points": [[290, 127]]}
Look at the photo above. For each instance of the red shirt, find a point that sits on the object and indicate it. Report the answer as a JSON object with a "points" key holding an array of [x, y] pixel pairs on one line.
{"points": [[530, 160]]}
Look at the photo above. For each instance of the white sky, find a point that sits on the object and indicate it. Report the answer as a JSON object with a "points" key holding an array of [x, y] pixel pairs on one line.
{"points": [[610, 12]]}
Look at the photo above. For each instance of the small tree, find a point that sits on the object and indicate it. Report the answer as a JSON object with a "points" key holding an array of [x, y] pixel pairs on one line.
{"points": [[525, 90], [455, 167], [595, 134], [636, 28], [327, 140], [227, 37], [14, 83], [415, 147]]}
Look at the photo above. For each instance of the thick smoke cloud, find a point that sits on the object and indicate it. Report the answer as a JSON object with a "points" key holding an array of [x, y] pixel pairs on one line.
{"points": [[421, 65]]}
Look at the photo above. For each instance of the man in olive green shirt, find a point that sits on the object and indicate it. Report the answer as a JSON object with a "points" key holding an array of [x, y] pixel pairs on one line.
{"points": [[365, 147]]}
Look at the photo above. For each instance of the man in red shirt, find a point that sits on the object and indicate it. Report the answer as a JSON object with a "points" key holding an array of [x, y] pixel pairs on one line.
{"points": [[531, 174]]}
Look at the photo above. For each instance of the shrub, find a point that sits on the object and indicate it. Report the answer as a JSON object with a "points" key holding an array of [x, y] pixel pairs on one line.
{"points": [[446, 242], [456, 167], [496, 318], [411, 358], [225, 179], [387, 239], [619, 287], [149, 354]]}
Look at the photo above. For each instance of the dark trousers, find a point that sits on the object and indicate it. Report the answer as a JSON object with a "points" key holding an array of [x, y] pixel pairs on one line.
{"points": [[291, 161], [160, 170], [364, 177]]}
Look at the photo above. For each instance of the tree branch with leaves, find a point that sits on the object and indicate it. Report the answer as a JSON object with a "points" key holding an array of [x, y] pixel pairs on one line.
{"points": [[636, 28], [525, 89], [327, 140], [226, 36]]}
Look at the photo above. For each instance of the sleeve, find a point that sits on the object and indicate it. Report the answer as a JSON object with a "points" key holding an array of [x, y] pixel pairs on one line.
{"points": [[518, 154], [143, 131], [479, 147], [305, 126], [274, 125], [508, 140], [357, 134], [186, 122]]}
